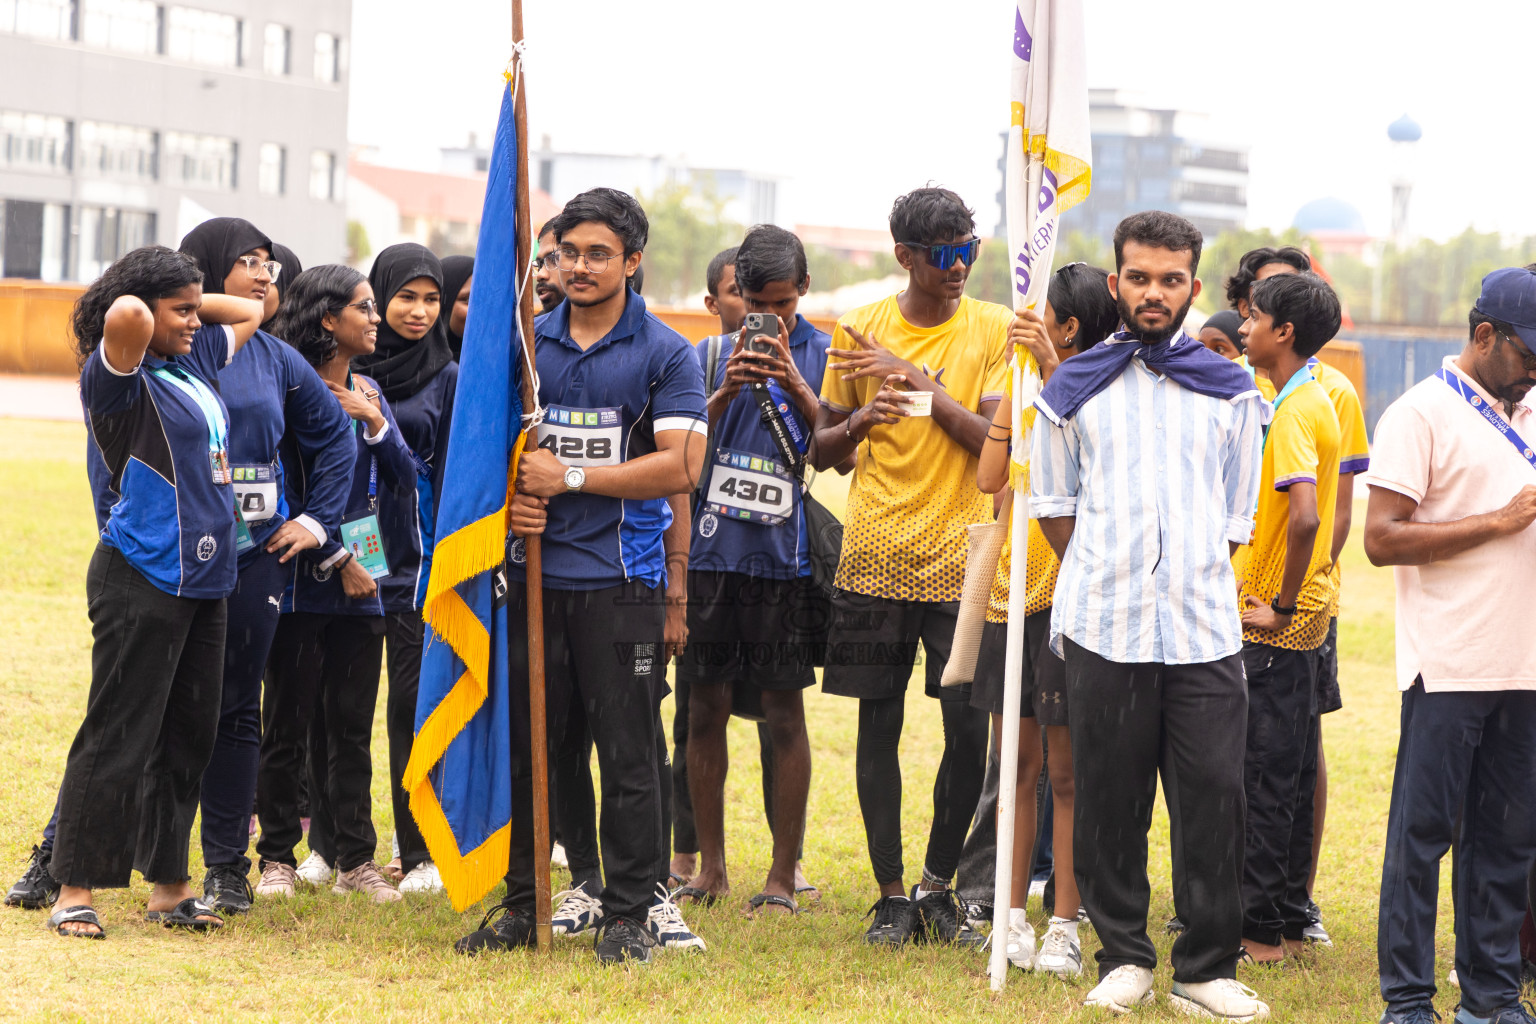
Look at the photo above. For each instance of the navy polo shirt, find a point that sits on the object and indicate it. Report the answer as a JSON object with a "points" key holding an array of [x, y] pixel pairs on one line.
{"points": [[409, 517], [602, 407], [314, 585], [170, 520], [729, 543]]}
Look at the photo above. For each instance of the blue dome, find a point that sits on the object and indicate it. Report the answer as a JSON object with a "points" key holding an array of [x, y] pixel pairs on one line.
{"points": [[1330, 214], [1405, 129]]}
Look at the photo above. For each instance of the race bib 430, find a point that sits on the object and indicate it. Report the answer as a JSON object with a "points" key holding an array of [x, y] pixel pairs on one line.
{"points": [[750, 488], [583, 437]]}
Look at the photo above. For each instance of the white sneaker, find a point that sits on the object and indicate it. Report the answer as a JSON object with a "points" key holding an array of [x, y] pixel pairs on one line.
{"points": [[316, 871], [558, 858], [1455, 981], [422, 878], [576, 911], [1222, 999], [1021, 940], [1037, 889], [1122, 989], [1060, 953], [666, 924]]}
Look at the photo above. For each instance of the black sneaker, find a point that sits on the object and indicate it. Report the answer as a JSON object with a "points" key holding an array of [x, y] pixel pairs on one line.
{"points": [[36, 888], [227, 890], [515, 928], [893, 922], [938, 918], [1175, 926], [620, 940], [1315, 933]]}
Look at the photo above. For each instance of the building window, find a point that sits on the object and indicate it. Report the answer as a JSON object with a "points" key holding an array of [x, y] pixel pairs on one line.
{"points": [[327, 57], [107, 233], [202, 37], [199, 161], [35, 239], [117, 151], [322, 175], [274, 52], [43, 19], [129, 26], [270, 169], [34, 142]]}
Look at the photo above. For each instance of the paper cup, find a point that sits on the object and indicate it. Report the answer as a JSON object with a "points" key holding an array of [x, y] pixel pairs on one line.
{"points": [[919, 403]]}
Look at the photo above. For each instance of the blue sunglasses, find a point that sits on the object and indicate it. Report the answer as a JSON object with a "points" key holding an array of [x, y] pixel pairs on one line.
{"points": [[944, 256]]}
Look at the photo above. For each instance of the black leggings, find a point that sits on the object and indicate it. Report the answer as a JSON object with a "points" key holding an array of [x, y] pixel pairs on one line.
{"points": [[956, 789]]}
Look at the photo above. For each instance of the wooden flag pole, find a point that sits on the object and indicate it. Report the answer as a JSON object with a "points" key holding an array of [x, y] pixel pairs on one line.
{"points": [[537, 730]]}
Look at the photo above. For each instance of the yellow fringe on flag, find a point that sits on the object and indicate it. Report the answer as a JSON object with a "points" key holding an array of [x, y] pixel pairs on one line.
{"points": [[475, 871]]}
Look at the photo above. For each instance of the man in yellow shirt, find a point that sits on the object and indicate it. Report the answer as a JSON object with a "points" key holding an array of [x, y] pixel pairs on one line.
{"points": [[1287, 601], [911, 385]]}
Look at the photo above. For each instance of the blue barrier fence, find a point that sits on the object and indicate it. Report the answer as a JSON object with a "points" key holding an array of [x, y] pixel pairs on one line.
{"points": [[1396, 361]]}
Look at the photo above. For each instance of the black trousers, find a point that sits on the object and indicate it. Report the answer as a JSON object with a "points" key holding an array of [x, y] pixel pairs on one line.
{"points": [[404, 635], [229, 782], [1279, 777], [322, 668], [574, 803], [1130, 722], [131, 780], [1466, 753], [602, 648]]}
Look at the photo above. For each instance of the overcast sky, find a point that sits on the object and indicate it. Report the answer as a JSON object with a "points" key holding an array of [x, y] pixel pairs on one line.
{"points": [[856, 102]]}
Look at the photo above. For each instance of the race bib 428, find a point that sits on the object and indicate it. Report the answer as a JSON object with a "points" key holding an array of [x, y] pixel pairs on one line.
{"points": [[583, 437]]}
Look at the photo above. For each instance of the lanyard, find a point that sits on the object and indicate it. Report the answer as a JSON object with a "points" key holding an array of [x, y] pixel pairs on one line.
{"points": [[791, 423], [1476, 401], [373, 462], [1301, 376], [194, 388]]}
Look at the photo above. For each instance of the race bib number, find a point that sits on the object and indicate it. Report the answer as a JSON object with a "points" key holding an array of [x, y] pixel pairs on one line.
{"points": [[750, 488], [582, 437], [255, 492], [361, 537]]}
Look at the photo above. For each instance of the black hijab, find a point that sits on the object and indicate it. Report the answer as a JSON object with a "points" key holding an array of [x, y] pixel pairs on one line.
{"points": [[456, 270], [217, 243], [292, 268], [403, 367]]}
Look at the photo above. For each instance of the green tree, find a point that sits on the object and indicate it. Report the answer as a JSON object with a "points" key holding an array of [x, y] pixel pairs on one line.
{"points": [[688, 226], [1219, 259], [358, 248]]}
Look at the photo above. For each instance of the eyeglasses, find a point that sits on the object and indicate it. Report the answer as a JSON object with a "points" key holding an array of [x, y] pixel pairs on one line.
{"points": [[272, 267], [368, 307], [1527, 357], [944, 256], [565, 259]]}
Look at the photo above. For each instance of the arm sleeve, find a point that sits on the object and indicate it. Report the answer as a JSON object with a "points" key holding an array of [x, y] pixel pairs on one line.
{"points": [[103, 390], [837, 394], [1293, 439], [999, 369], [213, 346], [1242, 467], [1354, 448], [322, 433], [1403, 453], [677, 402], [397, 468], [1053, 470], [450, 379]]}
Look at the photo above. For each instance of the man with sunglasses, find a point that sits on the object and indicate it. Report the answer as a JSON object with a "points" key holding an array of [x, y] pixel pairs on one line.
{"points": [[1453, 496], [911, 384]]}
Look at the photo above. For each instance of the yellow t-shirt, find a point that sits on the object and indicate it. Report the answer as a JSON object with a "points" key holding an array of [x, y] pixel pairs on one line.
{"points": [[1041, 563], [914, 489], [1302, 446]]}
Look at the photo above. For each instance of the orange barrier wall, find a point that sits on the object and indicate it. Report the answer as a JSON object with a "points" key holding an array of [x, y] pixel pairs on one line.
{"points": [[34, 327], [1349, 358]]}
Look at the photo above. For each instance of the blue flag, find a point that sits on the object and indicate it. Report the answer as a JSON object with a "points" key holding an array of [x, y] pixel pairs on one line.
{"points": [[460, 773]]}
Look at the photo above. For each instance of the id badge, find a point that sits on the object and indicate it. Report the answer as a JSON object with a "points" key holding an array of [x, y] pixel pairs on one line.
{"points": [[255, 492], [219, 461], [583, 437], [750, 488], [243, 540], [361, 537]]}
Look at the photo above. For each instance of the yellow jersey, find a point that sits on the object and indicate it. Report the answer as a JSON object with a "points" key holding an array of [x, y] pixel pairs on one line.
{"points": [[914, 488], [1041, 563]]}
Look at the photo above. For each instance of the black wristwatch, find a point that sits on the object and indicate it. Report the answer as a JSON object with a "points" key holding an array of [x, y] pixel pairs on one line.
{"points": [[1274, 606]]}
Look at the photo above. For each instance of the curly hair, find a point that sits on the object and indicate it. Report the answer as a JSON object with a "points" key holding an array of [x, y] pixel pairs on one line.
{"points": [[311, 295], [149, 273], [1255, 260]]}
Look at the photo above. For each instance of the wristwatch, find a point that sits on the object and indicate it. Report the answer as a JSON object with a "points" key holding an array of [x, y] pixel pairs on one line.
{"points": [[1274, 606], [575, 479]]}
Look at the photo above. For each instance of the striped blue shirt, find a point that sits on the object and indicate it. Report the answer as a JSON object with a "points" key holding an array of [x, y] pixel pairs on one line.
{"points": [[1160, 479]]}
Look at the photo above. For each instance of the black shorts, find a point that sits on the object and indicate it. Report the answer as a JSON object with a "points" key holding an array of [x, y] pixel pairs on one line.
{"points": [[1045, 675], [872, 648], [746, 629], [1328, 696]]}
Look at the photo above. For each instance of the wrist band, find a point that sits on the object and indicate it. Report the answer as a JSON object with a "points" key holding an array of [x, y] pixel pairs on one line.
{"points": [[1275, 607]]}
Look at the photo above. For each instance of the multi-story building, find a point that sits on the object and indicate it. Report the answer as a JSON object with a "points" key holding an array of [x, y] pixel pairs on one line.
{"points": [[1147, 158], [126, 122]]}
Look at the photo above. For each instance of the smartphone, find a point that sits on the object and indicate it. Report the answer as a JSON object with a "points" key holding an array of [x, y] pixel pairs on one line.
{"points": [[758, 330]]}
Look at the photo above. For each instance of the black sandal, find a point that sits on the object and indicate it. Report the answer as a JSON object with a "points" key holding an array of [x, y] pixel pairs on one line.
{"points": [[701, 897], [756, 903], [191, 913], [675, 880], [80, 914]]}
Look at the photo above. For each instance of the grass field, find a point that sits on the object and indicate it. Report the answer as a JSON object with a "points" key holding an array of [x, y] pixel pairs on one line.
{"points": [[327, 958]]}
